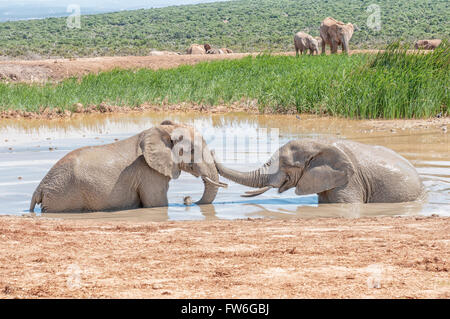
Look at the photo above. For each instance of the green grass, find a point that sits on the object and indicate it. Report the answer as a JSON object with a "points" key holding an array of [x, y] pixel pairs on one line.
{"points": [[389, 85], [242, 25]]}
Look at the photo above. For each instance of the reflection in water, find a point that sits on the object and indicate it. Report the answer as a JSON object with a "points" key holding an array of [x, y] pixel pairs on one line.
{"points": [[28, 148], [341, 210]]}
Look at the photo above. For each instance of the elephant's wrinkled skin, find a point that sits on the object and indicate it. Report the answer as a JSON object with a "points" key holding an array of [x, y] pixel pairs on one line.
{"points": [[128, 174], [339, 171], [335, 33], [305, 42]]}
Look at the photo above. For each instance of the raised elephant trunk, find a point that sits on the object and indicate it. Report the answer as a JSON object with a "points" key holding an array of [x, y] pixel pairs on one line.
{"points": [[257, 178]]}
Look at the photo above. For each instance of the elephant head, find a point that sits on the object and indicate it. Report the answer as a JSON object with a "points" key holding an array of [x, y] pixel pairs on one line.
{"points": [[310, 166], [170, 147], [314, 46]]}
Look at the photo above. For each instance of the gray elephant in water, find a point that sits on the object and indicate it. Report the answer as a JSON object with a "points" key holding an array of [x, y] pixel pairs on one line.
{"points": [[132, 173], [305, 42], [335, 33], [339, 171]]}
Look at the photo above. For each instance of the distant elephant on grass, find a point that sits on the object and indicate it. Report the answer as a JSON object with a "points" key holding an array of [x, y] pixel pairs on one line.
{"points": [[339, 171], [133, 173], [427, 44], [198, 49], [305, 42], [215, 51], [335, 33]]}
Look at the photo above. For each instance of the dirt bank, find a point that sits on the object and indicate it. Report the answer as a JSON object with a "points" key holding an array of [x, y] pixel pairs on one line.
{"points": [[58, 69], [404, 257]]}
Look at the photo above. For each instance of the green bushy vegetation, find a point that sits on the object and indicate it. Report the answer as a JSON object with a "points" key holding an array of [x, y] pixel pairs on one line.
{"points": [[392, 84], [242, 25]]}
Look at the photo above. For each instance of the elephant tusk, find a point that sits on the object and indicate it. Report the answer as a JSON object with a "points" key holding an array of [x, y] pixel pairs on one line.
{"points": [[218, 184], [256, 192]]}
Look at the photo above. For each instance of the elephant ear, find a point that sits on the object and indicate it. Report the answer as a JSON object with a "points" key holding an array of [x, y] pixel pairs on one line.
{"points": [[156, 146], [327, 169]]}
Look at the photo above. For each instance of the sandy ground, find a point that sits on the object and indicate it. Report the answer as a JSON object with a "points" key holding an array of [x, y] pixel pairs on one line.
{"points": [[384, 257], [58, 69]]}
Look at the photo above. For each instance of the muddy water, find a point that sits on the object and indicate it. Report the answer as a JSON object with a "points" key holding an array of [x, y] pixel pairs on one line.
{"points": [[29, 148]]}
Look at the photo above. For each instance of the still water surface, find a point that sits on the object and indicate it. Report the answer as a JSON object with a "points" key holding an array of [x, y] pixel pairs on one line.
{"points": [[29, 148]]}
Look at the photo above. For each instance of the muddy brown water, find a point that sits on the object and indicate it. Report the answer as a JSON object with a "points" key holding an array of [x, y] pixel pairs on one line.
{"points": [[29, 148]]}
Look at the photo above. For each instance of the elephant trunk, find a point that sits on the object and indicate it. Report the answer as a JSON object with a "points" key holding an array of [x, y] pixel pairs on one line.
{"points": [[210, 191], [210, 180], [257, 178]]}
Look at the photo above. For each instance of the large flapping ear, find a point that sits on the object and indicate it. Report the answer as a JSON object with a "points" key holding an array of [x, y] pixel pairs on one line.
{"points": [[156, 146], [327, 169]]}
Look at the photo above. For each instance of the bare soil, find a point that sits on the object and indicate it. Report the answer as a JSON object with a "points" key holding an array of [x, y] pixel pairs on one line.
{"points": [[383, 257], [59, 69]]}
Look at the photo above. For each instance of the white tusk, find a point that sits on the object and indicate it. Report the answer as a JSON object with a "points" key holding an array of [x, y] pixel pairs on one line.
{"points": [[256, 192], [218, 184]]}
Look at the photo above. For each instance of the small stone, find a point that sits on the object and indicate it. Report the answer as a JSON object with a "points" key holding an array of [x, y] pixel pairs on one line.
{"points": [[157, 286], [19, 178], [187, 201], [79, 108]]}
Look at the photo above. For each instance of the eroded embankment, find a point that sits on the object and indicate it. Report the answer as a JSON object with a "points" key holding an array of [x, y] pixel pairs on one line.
{"points": [[405, 257]]}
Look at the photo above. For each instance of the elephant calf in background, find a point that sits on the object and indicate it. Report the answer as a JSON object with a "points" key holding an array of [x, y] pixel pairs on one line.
{"points": [[132, 173], [305, 42], [339, 171]]}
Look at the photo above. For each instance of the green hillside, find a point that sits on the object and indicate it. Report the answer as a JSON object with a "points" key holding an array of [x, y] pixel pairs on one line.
{"points": [[243, 25]]}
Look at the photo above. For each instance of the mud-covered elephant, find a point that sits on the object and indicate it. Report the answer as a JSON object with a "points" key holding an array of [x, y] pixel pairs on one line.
{"points": [[427, 44], [132, 173], [335, 33], [339, 171], [305, 42]]}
